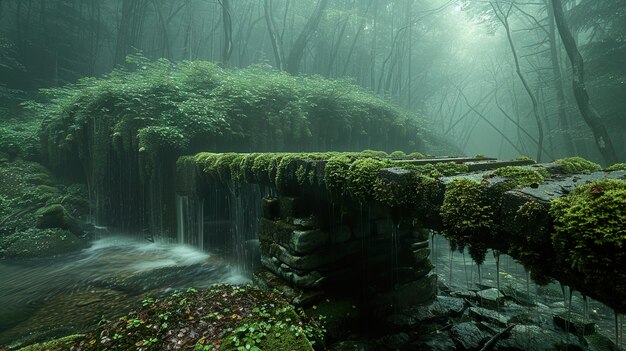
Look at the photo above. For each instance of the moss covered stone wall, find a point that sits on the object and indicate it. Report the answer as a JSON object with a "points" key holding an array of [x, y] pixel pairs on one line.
{"points": [[124, 131]]}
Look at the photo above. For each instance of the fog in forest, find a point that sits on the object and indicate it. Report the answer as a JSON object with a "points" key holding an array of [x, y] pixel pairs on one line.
{"points": [[493, 76], [312, 175]]}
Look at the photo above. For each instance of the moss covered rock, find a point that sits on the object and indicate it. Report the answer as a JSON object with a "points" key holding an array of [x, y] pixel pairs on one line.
{"points": [[573, 165]]}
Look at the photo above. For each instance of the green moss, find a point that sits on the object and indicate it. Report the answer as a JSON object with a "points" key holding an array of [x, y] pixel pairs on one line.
{"points": [[522, 176], [438, 170], [525, 158], [417, 155], [616, 167], [60, 344], [39, 243], [573, 165], [413, 190], [373, 153], [467, 214], [336, 173], [362, 177], [590, 233]]}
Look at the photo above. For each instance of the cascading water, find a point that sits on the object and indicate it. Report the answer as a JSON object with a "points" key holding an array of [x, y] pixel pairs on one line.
{"points": [[225, 221]]}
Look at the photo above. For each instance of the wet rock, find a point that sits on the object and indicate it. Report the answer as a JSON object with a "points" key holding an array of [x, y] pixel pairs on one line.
{"points": [[483, 314], [464, 294], [439, 310], [573, 323], [518, 296], [55, 216], [307, 241], [535, 338], [490, 298], [305, 223], [599, 342], [468, 336]]}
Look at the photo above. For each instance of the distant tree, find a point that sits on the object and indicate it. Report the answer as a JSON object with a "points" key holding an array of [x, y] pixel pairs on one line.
{"points": [[589, 113]]}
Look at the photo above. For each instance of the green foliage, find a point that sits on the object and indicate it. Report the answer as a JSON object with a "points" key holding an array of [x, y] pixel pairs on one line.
{"points": [[522, 176], [231, 318], [174, 107], [590, 232], [467, 215], [18, 138], [616, 167], [35, 242], [573, 165]]}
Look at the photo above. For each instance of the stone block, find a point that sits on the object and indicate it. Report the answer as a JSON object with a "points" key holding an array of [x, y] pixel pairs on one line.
{"points": [[277, 231], [307, 241], [271, 208], [294, 207]]}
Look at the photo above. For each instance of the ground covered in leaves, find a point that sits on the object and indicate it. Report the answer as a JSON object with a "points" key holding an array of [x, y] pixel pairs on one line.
{"points": [[225, 317]]}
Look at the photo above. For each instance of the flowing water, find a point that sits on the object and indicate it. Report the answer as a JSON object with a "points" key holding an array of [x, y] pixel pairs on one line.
{"points": [[44, 297], [503, 272]]}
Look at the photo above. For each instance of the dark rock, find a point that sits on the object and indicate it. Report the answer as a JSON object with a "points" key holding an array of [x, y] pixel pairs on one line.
{"points": [[599, 342], [535, 338], [271, 208], [468, 336], [483, 314], [294, 207], [305, 223], [464, 294], [573, 323], [307, 241], [419, 245], [490, 298], [439, 310], [55, 216]]}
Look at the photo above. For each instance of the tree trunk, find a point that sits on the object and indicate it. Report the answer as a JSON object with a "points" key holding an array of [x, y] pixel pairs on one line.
{"points": [[274, 38], [297, 50], [228, 32], [558, 85], [589, 113]]}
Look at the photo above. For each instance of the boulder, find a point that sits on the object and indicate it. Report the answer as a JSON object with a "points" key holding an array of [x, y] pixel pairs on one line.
{"points": [[468, 336], [535, 338]]}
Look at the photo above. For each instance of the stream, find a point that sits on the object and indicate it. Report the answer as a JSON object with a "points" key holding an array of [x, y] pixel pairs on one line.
{"points": [[54, 296]]}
